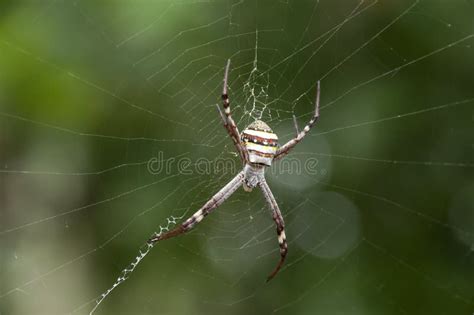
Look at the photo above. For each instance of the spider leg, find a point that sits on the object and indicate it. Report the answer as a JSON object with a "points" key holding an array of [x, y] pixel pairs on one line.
{"points": [[280, 224], [285, 149], [208, 207], [229, 122]]}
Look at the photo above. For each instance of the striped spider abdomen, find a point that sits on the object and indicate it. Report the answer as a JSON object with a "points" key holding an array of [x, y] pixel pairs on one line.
{"points": [[261, 143]]}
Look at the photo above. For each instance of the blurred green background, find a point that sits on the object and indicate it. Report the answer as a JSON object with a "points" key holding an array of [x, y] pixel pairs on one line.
{"points": [[91, 91]]}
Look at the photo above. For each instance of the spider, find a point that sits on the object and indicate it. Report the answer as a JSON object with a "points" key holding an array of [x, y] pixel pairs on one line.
{"points": [[258, 148]]}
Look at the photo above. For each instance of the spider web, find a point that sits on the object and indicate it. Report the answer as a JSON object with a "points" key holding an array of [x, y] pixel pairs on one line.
{"points": [[91, 93]]}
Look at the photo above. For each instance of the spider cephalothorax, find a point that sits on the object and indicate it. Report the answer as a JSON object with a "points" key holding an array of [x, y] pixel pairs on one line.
{"points": [[258, 148]]}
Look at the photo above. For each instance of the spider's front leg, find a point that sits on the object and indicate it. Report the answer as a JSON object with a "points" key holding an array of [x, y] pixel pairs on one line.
{"points": [[280, 224], [285, 149], [197, 217], [229, 122]]}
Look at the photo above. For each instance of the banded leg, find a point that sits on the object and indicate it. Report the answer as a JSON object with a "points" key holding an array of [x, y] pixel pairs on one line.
{"points": [[280, 224], [229, 122], [284, 149], [197, 217]]}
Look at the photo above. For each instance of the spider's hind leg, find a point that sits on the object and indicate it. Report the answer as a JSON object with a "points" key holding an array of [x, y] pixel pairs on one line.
{"points": [[283, 150], [229, 122]]}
